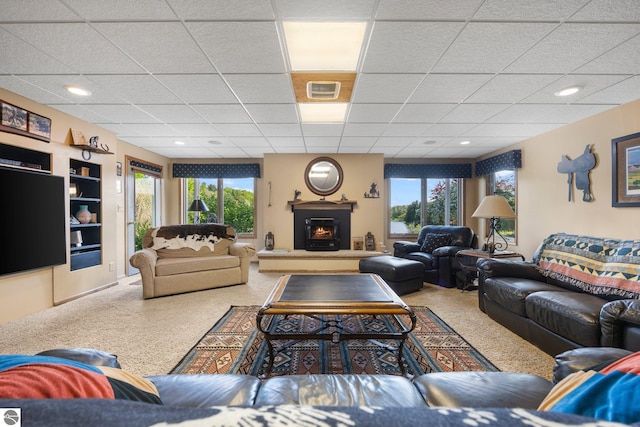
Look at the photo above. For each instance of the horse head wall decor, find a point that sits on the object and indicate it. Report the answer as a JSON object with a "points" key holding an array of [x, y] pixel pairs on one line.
{"points": [[581, 166]]}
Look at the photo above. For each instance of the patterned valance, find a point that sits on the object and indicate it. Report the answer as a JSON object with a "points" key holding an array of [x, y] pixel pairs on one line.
{"points": [[216, 170], [146, 166], [505, 161], [421, 170]]}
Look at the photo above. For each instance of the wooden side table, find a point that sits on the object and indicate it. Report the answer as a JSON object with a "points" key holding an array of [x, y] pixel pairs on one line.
{"points": [[470, 268]]}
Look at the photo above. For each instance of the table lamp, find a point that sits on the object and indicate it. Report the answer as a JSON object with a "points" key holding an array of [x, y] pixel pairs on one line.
{"points": [[196, 207], [494, 208]]}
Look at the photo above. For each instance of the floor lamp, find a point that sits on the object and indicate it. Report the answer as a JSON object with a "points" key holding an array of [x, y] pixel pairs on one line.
{"points": [[494, 208], [196, 207]]}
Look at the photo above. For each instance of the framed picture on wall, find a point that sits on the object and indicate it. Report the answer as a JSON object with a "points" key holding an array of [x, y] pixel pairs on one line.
{"points": [[625, 171], [39, 127], [14, 117]]}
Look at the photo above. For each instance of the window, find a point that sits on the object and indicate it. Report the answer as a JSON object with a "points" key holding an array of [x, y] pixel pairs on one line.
{"points": [[503, 183], [234, 205], [416, 202]]}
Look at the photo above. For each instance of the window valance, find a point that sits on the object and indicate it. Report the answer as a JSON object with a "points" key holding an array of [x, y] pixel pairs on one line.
{"points": [[216, 170], [505, 161], [146, 167], [421, 170]]}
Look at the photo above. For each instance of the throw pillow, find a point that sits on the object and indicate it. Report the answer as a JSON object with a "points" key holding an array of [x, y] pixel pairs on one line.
{"points": [[610, 394], [45, 377], [434, 241]]}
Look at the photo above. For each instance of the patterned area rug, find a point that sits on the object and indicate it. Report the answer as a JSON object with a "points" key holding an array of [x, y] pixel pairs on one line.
{"points": [[234, 345]]}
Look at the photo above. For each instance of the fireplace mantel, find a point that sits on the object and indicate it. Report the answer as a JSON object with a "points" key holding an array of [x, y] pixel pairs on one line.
{"points": [[322, 204]]}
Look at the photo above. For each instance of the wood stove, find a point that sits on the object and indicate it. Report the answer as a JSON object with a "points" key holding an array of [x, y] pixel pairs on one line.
{"points": [[322, 234]]}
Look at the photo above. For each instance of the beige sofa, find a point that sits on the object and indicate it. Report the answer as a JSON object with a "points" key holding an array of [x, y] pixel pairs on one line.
{"points": [[191, 257]]}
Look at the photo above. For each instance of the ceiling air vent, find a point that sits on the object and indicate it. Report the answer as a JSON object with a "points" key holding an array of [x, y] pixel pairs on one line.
{"points": [[323, 90]]}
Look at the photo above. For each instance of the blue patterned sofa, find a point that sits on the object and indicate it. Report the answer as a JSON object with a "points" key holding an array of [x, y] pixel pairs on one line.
{"points": [[579, 291]]}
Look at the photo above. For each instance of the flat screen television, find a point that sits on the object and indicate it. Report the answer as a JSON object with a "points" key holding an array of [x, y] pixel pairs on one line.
{"points": [[32, 220]]}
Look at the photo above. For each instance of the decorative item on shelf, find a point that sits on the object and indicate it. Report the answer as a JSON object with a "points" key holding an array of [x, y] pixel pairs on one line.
{"points": [[296, 195], [23, 122], [84, 171], [269, 241], [93, 141], [73, 190], [358, 243], [94, 218], [373, 192], [83, 215], [196, 207], [581, 166], [369, 242], [76, 238], [73, 220], [382, 247], [494, 208], [343, 198]]}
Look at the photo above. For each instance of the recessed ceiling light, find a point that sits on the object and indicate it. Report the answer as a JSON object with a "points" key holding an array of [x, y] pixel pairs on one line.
{"points": [[324, 45], [77, 90], [316, 112], [568, 91], [465, 142], [178, 142]]}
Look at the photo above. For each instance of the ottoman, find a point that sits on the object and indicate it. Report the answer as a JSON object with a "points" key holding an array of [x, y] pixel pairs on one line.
{"points": [[402, 275]]}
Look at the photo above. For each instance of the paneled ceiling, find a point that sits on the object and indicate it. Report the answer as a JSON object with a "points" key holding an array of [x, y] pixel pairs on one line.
{"points": [[214, 73]]}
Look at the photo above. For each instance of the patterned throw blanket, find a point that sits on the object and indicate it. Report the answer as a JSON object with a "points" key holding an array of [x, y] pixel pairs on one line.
{"points": [[192, 236], [609, 394], [608, 268]]}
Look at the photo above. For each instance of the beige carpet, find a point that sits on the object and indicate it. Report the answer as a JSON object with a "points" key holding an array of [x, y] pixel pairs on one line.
{"points": [[151, 336]]}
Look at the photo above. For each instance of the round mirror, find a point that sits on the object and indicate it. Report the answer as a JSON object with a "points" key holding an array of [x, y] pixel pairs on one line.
{"points": [[323, 176]]}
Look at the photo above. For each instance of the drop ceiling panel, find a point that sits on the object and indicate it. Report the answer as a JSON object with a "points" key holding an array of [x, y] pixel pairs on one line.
{"points": [[33, 10], [240, 47], [159, 47], [373, 113], [284, 130], [25, 58], [408, 47], [136, 88], [81, 112], [465, 113], [261, 88], [510, 88], [608, 10], [222, 9], [460, 10], [527, 10], [590, 84], [620, 93], [405, 129], [120, 10], [238, 129], [586, 42], [422, 113], [358, 129], [173, 113], [322, 129], [122, 113], [448, 88], [198, 88], [76, 45], [621, 59], [385, 88], [196, 129], [273, 113], [223, 113]]}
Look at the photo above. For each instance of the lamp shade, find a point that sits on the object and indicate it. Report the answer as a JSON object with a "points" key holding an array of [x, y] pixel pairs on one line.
{"points": [[494, 207], [198, 206]]}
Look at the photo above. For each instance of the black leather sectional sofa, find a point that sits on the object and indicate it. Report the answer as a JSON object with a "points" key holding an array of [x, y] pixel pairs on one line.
{"points": [[578, 291]]}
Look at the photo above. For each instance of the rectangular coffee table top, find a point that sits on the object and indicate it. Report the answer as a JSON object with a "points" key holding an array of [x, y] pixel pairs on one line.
{"points": [[333, 294]]}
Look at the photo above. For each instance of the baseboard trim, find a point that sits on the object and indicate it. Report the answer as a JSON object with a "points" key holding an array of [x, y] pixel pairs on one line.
{"points": [[83, 294]]}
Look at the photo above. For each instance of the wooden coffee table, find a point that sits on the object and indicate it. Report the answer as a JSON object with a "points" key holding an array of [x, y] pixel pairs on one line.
{"points": [[332, 299]]}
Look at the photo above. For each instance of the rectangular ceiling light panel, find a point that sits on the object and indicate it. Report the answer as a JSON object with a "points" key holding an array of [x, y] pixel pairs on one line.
{"points": [[329, 46], [314, 112]]}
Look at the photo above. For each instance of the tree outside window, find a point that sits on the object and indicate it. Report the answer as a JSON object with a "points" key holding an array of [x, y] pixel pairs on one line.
{"points": [[503, 183], [416, 202], [234, 205]]}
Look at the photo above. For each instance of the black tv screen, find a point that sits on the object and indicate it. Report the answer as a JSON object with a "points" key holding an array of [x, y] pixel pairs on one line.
{"points": [[32, 220]]}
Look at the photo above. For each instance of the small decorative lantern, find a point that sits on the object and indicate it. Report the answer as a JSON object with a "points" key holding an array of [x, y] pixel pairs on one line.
{"points": [[369, 242], [269, 241]]}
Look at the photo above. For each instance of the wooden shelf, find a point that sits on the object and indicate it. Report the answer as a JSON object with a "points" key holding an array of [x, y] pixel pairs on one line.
{"points": [[305, 204]]}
